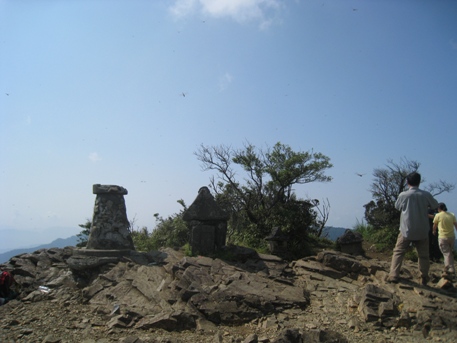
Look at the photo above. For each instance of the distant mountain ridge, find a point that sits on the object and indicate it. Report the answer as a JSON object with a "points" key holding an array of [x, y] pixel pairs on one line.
{"points": [[332, 232], [58, 243]]}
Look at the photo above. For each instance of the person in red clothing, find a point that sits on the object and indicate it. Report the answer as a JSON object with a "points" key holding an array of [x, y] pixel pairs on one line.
{"points": [[7, 283]]}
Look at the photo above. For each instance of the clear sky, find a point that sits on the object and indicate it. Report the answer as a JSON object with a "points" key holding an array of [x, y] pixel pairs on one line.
{"points": [[124, 93]]}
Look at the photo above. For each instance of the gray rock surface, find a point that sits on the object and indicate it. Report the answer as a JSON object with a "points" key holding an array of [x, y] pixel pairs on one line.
{"points": [[168, 297]]}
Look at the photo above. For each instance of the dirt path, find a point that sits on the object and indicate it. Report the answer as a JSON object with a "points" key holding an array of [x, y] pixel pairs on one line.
{"points": [[371, 252]]}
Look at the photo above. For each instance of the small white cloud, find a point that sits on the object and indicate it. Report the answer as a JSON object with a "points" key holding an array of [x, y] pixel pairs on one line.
{"points": [[28, 120], [93, 156], [265, 24], [224, 81], [262, 11], [182, 8]]}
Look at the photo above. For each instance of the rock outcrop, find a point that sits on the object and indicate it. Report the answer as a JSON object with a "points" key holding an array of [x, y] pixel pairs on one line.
{"points": [[164, 296]]}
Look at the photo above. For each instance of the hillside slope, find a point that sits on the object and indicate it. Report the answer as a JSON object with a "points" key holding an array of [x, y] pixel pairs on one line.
{"points": [[58, 243]]}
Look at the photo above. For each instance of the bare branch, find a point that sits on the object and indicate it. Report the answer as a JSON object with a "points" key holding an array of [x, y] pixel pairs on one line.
{"points": [[323, 214], [437, 188]]}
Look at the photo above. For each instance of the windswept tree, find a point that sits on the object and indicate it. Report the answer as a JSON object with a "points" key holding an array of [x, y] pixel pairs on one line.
{"points": [[264, 197], [387, 185], [323, 212]]}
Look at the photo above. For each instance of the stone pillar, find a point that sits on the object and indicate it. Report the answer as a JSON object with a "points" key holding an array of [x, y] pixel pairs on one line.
{"points": [[208, 223], [110, 226]]}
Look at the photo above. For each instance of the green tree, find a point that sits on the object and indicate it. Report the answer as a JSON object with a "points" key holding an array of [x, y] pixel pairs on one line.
{"points": [[265, 197], [83, 236], [168, 232]]}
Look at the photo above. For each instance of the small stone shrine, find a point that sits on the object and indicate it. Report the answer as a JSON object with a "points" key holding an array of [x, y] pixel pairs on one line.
{"points": [[350, 242], [277, 241], [110, 226], [208, 223]]}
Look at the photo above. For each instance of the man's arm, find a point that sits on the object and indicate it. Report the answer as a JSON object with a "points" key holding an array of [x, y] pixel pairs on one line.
{"points": [[399, 202]]}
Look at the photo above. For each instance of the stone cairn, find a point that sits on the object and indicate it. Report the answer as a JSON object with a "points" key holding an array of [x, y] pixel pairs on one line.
{"points": [[351, 242], [110, 226], [208, 223], [277, 242]]}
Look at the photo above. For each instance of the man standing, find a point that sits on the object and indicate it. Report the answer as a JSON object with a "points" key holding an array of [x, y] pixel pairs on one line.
{"points": [[414, 227]]}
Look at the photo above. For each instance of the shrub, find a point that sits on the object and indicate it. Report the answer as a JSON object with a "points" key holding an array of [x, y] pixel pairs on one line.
{"points": [[187, 249], [170, 232], [142, 240], [383, 239], [365, 230]]}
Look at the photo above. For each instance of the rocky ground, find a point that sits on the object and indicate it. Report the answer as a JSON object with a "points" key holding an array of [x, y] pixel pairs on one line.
{"points": [[167, 297]]}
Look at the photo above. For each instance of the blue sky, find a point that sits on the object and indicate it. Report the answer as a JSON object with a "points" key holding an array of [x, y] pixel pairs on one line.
{"points": [[124, 92]]}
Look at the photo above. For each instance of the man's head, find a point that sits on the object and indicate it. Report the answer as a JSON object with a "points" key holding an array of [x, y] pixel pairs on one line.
{"points": [[413, 179]]}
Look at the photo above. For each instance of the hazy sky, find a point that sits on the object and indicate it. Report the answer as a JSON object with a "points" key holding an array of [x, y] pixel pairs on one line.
{"points": [[124, 93]]}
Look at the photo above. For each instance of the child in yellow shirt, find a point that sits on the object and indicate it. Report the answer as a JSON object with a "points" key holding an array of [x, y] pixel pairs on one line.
{"points": [[445, 222]]}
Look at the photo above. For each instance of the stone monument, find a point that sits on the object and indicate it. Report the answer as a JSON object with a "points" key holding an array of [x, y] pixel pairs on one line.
{"points": [[351, 242], [110, 226], [277, 241], [208, 223]]}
